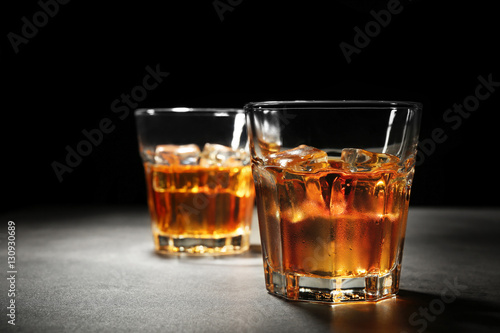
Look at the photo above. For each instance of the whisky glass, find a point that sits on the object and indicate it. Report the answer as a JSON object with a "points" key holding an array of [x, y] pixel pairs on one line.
{"points": [[198, 178], [333, 182]]}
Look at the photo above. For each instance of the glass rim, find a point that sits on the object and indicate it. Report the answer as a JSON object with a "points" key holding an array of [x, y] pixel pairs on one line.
{"points": [[180, 110], [331, 104]]}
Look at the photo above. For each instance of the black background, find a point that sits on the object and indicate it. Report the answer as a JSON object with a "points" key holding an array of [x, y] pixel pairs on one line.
{"points": [[65, 78]]}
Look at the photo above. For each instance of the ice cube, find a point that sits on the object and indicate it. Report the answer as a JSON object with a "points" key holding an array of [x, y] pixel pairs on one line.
{"points": [[177, 154], [268, 147], [301, 158], [214, 154], [148, 155], [359, 160]]}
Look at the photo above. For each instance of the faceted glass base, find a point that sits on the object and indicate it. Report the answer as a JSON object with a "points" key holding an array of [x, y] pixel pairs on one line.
{"points": [[201, 246], [295, 287]]}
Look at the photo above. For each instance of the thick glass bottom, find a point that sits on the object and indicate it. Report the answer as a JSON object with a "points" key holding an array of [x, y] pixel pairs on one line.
{"points": [[296, 287], [196, 246]]}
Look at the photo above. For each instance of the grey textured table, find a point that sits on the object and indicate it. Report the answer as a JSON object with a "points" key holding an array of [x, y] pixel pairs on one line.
{"points": [[92, 269]]}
